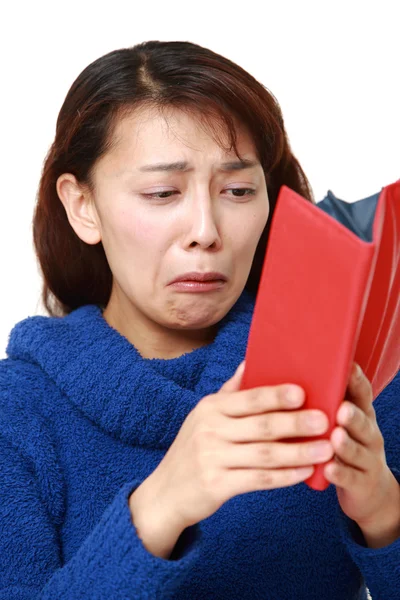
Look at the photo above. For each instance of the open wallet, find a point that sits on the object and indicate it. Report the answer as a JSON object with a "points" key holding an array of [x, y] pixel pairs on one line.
{"points": [[329, 295]]}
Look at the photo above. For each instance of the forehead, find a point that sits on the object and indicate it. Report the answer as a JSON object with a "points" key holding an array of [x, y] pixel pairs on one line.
{"points": [[148, 133]]}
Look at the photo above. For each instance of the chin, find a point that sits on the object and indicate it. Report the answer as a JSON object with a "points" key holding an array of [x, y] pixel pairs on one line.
{"points": [[199, 315]]}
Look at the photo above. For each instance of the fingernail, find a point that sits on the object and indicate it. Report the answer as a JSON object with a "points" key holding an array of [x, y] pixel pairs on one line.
{"points": [[294, 395], [357, 371]]}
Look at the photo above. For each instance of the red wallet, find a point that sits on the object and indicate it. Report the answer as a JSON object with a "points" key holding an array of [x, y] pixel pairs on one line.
{"points": [[329, 295]]}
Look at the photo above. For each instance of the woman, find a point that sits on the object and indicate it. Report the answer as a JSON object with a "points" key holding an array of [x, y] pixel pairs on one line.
{"points": [[127, 450]]}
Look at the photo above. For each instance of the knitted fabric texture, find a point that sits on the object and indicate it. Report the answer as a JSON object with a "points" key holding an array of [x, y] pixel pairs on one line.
{"points": [[85, 419]]}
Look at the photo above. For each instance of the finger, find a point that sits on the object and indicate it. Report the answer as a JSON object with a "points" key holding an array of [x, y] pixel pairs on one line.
{"points": [[240, 481], [273, 426], [343, 475], [359, 390], [258, 400], [359, 426], [274, 455], [350, 452], [233, 384]]}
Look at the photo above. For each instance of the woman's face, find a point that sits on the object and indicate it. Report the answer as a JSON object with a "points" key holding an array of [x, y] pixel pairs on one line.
{"points": [[159, 223]]}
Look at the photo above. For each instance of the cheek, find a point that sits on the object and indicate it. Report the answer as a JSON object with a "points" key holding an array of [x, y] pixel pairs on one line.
{"points": [[248, 230], [135, 251], [138, 235]]}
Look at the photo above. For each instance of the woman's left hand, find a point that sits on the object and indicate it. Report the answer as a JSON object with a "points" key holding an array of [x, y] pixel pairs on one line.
{"points": [[367, 490]]}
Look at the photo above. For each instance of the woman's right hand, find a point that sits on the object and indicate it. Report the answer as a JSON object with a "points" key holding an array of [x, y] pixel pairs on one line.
{"points": [[228, 446]]}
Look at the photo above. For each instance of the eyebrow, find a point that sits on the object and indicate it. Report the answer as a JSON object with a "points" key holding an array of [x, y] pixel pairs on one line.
{"points": [[238, 165]]}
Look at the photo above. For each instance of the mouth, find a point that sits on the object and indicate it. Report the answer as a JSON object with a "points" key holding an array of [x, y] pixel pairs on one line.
{"points": [[196, 277], [199, 282]]}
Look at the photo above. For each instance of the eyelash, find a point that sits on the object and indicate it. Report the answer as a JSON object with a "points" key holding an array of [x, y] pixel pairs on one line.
{"points": [[155, 195]]}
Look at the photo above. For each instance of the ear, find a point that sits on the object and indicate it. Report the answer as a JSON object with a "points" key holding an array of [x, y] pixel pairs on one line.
{"points": [[80, 208]]}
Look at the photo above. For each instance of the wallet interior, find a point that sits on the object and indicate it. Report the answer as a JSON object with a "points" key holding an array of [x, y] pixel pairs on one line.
{"points": [[357, 216]]}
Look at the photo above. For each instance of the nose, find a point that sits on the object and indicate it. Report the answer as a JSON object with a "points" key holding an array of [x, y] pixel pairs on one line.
{"points": [[203, 226]]}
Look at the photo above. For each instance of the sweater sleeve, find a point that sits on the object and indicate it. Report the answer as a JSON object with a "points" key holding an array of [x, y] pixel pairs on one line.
{"points": [[380, 567], [112, 562]]}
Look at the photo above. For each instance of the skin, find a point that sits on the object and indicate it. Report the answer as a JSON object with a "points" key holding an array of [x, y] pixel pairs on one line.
{"points": [[367, 490], [203, 226]]}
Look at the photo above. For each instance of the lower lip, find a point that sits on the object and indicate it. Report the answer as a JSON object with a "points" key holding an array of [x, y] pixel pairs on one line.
{"points": [[198, 286]]}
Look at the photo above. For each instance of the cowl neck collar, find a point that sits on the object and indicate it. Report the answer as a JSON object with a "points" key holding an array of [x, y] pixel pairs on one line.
{"points": [[138, 400]]}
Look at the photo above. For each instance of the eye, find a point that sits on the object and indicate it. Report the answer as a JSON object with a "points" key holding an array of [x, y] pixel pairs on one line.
{"points": [[249, 192], [163, 195], [160, 195]]}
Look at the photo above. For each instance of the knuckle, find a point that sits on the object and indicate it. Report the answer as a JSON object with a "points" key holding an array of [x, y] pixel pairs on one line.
{"points": [[301, 421], [365, 426], [202, 437], [291, 475], [211, 478], [265, 427], [254, 400], [200, 413], [380, 442], [205, 405], [264, 479], [264, 454], [355, 450], [305, 451]]}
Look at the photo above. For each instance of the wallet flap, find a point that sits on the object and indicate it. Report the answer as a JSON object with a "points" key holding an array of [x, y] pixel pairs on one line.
{"points": [[377, 219], [328, 296]]}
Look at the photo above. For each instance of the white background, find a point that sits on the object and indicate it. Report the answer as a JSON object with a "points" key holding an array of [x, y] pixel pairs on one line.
{"points": [[333, 66]]}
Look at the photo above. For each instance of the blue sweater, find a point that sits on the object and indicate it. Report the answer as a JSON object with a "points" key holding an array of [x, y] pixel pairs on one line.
{"points": [[84, 419]]}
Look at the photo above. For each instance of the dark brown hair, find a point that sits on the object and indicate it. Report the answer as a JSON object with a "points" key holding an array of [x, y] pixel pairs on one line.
{"points": [[160, 74]]}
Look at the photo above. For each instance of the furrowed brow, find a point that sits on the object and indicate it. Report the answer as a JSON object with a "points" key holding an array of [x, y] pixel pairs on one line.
{"points": [[183, 166]]}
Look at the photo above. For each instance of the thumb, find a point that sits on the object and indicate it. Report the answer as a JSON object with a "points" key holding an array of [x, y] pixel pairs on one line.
{"points": [[233, 384]]}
